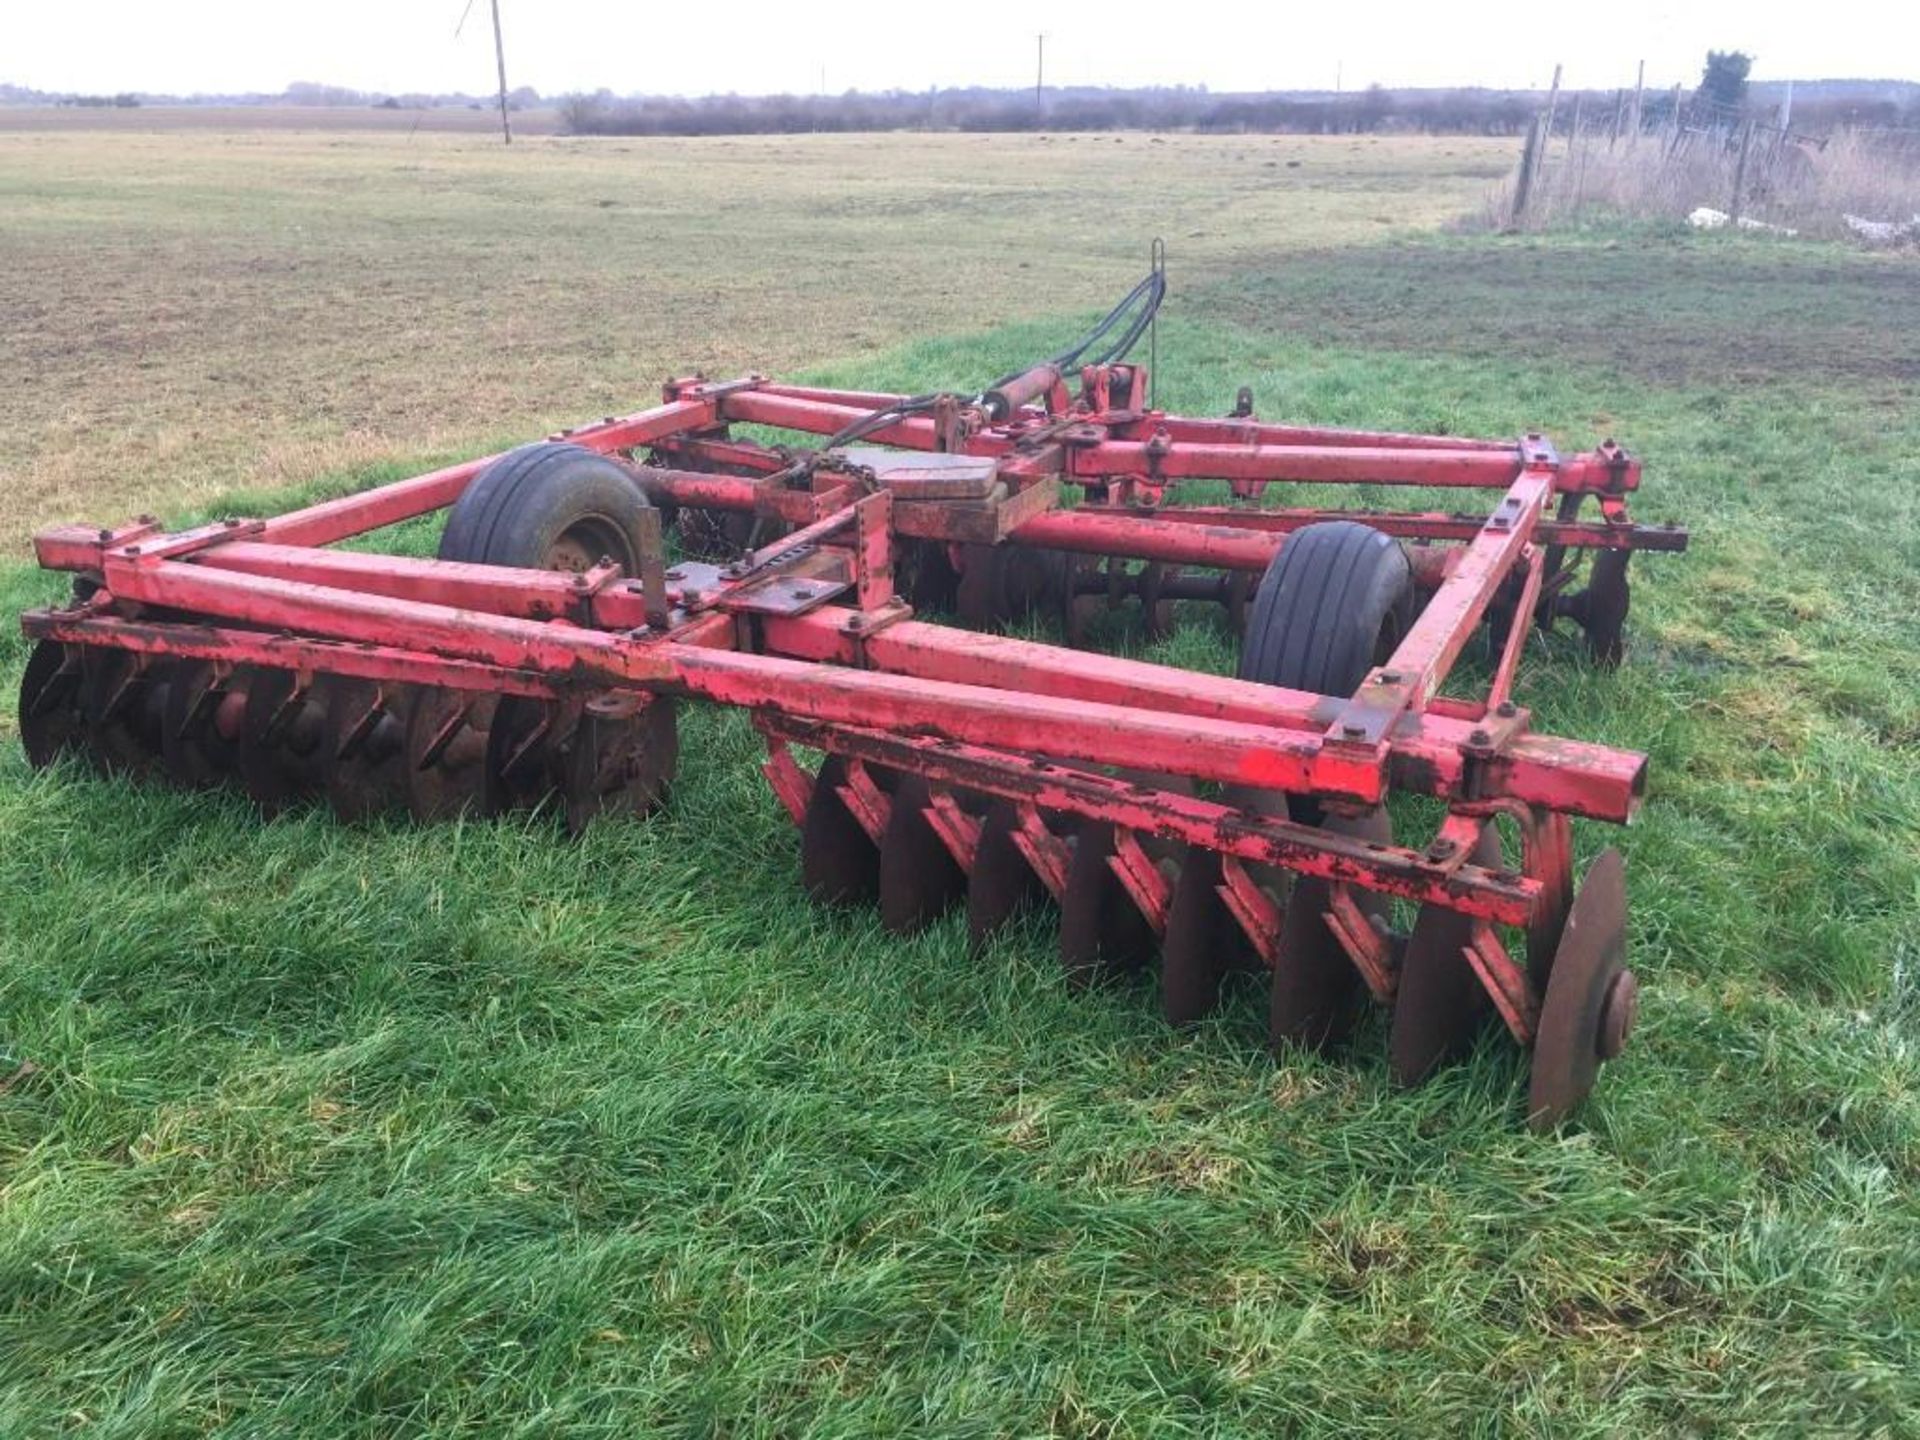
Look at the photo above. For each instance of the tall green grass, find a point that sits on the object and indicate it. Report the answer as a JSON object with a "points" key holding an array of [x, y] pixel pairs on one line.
{"points": [[478, 1130]]}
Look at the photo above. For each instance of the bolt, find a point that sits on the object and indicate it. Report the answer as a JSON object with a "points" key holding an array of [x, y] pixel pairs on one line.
{"points": [[1480, 737], [1506, 709], [856, 622], [105, 536], [1441, 848]]}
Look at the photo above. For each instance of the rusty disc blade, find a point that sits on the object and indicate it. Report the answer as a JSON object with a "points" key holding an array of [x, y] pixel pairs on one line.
{"points": [[620, 758], [525, 746], [976, 591], [50, 720], [931, 582], [1195, 953], [195, 751], [839, 863], [446, 753], [1602, 607], [283, 756], [1441, 1003], [1002, 882], [1239, 592], [919, 878], [121, 702], [1156, 612], [1316, 989], [1102, 932], [366, 743], [1591, 997]]}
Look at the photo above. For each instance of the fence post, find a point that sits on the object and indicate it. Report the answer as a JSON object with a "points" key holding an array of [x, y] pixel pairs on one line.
{"points": [[1740, 171], [1523, 186]]}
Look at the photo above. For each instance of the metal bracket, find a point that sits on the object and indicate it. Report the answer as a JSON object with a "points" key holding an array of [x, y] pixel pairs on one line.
{"points": [[145, 544], [1260, 916], [1505, 981], [1135, 869]]}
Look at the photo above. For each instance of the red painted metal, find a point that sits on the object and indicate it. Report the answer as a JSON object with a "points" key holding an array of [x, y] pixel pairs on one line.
{"points": [[808, 633]]}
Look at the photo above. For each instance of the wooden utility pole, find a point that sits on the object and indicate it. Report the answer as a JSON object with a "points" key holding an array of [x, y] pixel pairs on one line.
{"points": [[1639, 89], [1039, 81], [500, 60]]}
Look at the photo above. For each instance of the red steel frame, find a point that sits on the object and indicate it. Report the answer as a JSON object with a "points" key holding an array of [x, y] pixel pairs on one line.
{"points": [[831, 658]]}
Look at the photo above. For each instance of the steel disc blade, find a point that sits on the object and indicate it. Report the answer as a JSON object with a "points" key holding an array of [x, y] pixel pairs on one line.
{"points": [[1196, 952], [121, 702], [620, 759], [931, 582], [839, 863], [1076, 609], [919, 878], [1603, 605], [1239, 590], [1102, 932], [977, 591], [524, 752], [1156, 612], [1441, 1004], [50, 720], [1316, 989], [283, 757], [1591, 998], [196, 752], [1002, 881], [444, 773], [366, 741]]}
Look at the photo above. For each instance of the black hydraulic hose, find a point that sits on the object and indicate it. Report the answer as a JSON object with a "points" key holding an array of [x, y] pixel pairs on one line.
{"points": [[1136, 310]]}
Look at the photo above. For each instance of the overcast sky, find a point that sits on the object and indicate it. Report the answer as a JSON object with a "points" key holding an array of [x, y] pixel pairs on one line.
{"points": [[759, 46]]}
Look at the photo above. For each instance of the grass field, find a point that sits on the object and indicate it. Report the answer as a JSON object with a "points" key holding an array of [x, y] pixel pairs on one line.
{"points": [[476, 1130]]}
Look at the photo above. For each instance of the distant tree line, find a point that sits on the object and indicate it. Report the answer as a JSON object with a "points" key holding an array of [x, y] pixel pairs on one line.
{"points": [[1459, 112], [1465, 111], [1819, 106]]}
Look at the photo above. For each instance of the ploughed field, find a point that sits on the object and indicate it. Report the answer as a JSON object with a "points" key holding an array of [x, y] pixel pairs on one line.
{"points": [[350, 1129]]}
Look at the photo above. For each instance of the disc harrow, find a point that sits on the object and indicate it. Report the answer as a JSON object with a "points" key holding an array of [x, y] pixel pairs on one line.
{"points": [[1228, 830]]}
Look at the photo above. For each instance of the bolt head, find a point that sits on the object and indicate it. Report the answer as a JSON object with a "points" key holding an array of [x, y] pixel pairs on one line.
{"points": [[1480, 737], [1506, 710]]}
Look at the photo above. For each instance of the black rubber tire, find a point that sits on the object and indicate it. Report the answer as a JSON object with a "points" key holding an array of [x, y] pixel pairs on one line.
{"points": [[516, 510], [1333, 603]]}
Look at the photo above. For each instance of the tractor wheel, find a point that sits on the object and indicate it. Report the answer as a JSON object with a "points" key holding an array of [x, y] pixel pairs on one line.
{"points": [[554, 506], [549, 506], [1333, 603]]}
